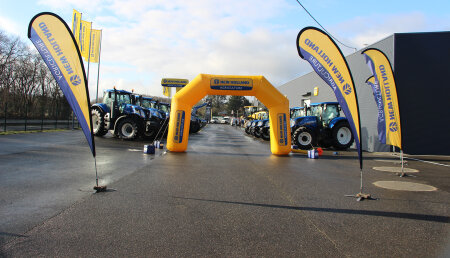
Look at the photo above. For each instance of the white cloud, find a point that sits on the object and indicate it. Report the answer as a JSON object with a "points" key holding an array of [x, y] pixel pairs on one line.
{"points": [[182, 39], [9, 26]]}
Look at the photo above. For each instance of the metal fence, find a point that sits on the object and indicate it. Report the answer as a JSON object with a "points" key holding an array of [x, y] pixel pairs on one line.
{"points": [[37, 125], [26, 122], [38, 114]]}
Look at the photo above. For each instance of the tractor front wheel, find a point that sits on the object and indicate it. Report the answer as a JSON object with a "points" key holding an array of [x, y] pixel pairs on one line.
{"points": [[342, 136], [151, 132], [128, 129], [304, 138], [266, 134]]}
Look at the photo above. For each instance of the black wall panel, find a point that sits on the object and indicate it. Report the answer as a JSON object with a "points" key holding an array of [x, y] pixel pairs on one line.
{"points": [[422, 74]]}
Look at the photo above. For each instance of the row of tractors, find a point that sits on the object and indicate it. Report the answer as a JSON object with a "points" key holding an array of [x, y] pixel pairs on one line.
{"points": [[130, 116], [319, 124]]}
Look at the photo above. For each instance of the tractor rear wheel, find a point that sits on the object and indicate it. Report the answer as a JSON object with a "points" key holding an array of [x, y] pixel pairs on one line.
{"points": [[257, 132], [128, 129], [304, 138], [98, 123], [342, 136]]}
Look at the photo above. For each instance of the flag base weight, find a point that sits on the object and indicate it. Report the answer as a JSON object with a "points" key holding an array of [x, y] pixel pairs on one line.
{"points": [[361, 197], [100, 188]]}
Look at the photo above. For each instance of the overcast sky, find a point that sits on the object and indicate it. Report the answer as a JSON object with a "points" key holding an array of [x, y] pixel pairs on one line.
{"points": [[146, 40]]}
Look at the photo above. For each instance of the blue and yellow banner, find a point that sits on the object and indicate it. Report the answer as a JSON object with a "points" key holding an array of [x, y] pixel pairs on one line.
{"points": [[85, 39], [76, 25], [167, 91], [171, 82], [96, 36], [381, 69], [319, 49], [56, 44], [380, 106]]}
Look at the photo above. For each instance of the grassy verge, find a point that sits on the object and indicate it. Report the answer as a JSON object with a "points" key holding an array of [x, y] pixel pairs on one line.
{"points": [[32, 131]]}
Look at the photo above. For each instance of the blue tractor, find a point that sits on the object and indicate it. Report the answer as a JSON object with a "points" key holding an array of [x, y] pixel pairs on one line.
{"points": [[118, 113], [196, 122], [157, 118], [261, 125], [321, 126]]}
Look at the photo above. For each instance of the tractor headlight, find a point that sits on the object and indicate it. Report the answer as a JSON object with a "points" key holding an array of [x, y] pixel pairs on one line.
{"points": [[292, 123], [259, 123]]}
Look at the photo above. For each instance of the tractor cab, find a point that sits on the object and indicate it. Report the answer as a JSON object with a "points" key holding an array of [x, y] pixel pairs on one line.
{"points": [[326, 112], [249, 111], [296, 112], [117, 100], [164, 107]]}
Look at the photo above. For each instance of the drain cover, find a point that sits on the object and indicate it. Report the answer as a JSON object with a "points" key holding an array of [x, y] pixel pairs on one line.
{"points": [[395, 161], [405, 186], [396, 169]]}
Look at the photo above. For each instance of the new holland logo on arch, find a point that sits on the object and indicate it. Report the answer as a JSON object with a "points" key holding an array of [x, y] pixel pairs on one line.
{"points": [[75, 80], [347, 89]]}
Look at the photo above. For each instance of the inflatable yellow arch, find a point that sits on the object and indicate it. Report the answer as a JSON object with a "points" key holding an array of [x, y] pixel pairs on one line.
{"points": [[207, 84]]}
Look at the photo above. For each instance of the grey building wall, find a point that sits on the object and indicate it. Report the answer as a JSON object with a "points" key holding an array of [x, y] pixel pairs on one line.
{"points": [[298, 89]]}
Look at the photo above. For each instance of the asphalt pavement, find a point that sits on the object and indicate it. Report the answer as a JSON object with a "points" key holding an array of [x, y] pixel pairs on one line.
{"points": [[226, 196]]}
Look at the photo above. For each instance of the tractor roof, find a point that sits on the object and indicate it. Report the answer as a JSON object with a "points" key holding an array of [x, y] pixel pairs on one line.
{"points": [[324, 103], [297, 107], [119, 91]]}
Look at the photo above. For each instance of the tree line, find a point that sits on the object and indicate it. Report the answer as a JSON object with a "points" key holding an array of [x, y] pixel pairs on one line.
{"points": [[27, 88], [225, 105]]}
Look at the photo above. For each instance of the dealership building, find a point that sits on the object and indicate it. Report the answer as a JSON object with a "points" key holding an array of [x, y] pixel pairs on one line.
{"points": [[421, 64]]}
